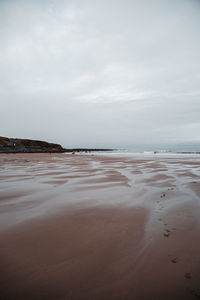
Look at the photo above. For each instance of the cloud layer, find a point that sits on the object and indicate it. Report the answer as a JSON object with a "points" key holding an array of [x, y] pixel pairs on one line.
{"points": [[100, 73]]}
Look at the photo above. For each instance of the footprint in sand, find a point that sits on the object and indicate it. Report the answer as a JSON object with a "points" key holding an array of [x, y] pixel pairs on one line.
{"points": [[188, 275], [195, 293], [163, 195], [166, 234], [174, 260]]}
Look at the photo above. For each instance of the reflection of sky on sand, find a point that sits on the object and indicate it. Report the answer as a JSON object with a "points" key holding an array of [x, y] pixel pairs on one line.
{"points": [[34, 186]]}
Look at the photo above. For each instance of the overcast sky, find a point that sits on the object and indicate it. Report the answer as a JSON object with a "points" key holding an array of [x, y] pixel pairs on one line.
{"points": [[109, 73]]}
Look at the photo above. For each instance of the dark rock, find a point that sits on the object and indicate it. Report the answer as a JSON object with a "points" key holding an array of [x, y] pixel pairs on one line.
{"points": [[13, 145]]}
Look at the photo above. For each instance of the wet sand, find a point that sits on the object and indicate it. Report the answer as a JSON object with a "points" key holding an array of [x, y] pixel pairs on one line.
{"points": [[99, 227]]}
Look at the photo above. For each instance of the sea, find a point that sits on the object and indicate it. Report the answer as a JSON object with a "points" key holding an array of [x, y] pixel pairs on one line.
{"points": [[186, 150]]}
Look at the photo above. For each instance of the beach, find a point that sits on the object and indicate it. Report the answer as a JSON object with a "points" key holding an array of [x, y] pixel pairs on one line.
{"points": [[99, 226]]}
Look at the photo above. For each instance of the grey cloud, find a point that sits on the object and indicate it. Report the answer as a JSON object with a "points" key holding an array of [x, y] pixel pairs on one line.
{"points": [[100, 73]]}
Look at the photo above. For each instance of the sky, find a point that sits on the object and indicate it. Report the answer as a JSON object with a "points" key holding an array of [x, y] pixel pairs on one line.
{"points": [[100, 73]]}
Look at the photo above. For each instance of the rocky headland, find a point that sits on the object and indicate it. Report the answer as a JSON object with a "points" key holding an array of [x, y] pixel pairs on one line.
{"points": [[16, 145]]}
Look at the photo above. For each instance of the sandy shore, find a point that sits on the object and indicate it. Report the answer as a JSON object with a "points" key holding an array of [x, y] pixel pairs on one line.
{"points": [[99, 227]]}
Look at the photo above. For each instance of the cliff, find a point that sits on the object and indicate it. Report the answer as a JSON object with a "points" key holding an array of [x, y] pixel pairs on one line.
{"points": [[13, 145]]}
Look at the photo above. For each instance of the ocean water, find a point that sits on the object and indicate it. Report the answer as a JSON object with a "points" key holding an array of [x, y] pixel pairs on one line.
{"points": [[158, 150], [167, 148]]}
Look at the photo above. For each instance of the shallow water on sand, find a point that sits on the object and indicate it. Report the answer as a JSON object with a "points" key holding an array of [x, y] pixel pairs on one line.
{"points": [[125, 221]]}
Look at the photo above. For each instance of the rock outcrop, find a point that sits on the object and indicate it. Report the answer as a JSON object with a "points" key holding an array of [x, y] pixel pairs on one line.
{"points": [[13, 145]]}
